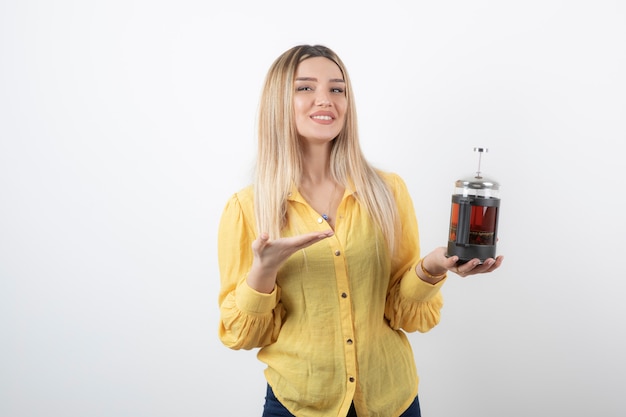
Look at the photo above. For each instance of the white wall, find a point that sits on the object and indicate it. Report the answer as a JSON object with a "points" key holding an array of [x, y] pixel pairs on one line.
{"points": [[125, 126]]}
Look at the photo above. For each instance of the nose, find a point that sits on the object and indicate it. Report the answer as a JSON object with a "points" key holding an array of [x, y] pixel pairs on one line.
{"points": [[321, 99]]}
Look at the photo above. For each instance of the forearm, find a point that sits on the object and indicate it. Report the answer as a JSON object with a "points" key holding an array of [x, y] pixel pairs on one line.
{"points": [[261, 279]]}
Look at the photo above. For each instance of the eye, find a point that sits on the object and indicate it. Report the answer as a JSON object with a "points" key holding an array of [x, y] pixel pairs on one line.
{"points": [[304, 88], [337, 90]]}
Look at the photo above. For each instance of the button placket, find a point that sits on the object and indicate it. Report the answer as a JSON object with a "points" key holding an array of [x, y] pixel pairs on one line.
{"points": [[346, 311]]}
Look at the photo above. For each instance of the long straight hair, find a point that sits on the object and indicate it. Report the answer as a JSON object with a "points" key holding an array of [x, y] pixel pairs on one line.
{"points": [[279, 157]]}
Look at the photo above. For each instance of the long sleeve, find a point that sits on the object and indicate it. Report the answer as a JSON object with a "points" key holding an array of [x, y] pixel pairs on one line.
{"points": [[248, 319], [412, 304]]}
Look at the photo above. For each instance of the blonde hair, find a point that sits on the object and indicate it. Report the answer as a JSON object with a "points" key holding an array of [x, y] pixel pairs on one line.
{"points": [[279, 158]]}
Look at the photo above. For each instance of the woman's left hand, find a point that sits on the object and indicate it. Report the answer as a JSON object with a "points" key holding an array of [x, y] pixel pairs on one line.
{"points": [[437, 261]]}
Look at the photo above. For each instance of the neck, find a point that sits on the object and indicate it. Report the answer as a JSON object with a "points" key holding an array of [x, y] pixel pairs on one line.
{"points": [[316, 165]]}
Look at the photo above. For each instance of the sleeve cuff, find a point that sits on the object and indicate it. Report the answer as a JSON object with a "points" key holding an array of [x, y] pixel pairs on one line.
{"points": [[413, 288], [254, 302]]}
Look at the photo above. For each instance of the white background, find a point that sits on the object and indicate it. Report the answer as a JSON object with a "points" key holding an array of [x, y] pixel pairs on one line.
{"points": [[125, 126]]}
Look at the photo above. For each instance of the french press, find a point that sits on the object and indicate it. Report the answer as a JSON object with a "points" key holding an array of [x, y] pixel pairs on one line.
{"points": [[474, 217]]}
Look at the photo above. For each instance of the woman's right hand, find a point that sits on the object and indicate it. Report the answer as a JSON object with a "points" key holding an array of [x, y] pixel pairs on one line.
{"points": [[269, 255]]}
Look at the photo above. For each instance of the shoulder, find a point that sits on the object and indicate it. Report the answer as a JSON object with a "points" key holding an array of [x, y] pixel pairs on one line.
{"points": [[393, 180], [238, 211], [245, 195], [242, 199]]}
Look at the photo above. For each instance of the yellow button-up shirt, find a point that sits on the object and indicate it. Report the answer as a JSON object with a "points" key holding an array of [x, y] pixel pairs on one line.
{"points": [[332, 331]]}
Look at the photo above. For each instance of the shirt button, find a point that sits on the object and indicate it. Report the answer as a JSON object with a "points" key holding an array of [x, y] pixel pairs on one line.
{"points": [[344, 295], [337, 253], [320, 220], [351, 379], [349, 341]]}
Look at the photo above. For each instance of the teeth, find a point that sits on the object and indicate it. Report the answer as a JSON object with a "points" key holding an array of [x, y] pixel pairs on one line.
{"points": [[322, 117]]}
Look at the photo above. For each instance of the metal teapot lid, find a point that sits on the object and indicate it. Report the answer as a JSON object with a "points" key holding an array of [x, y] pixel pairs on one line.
{"points": [[478, 182]]}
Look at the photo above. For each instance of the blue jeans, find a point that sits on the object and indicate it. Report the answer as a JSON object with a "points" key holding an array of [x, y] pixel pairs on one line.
{"points": [[273, 407]]}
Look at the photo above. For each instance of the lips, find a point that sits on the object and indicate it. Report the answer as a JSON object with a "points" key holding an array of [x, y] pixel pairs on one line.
{"points": [[323, 117]]}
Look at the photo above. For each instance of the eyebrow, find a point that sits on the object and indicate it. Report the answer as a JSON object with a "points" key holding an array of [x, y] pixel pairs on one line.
{"points": [[332, 80]]}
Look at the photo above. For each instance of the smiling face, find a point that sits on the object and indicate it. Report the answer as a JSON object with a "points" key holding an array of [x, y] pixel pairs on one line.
{"points": [[319, 100]]}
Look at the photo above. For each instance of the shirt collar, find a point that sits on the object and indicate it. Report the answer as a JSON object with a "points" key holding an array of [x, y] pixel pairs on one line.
{"points": [[294, 193]]}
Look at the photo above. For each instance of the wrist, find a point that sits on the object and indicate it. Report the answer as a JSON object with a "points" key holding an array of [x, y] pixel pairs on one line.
{"points": [[426, 274], [261, 279]]}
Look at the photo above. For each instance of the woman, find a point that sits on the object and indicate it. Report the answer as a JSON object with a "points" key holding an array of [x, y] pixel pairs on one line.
{"points": [[319, 259]]}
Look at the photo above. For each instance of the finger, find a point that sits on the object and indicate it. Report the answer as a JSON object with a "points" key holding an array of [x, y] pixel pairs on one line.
{"points": [[450, 263], [308, 239], [467, 268], [462, 272], [496, 264], [487, 266], [260, 241]]}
